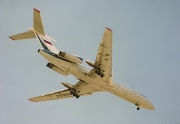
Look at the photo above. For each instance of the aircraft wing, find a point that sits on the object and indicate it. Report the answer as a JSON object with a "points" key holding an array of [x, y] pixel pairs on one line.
{"points": [[104, 54], [83, 88]]}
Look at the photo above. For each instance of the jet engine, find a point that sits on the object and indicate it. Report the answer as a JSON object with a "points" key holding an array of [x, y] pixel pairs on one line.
{"points": [[56, 69], [70, 57]]}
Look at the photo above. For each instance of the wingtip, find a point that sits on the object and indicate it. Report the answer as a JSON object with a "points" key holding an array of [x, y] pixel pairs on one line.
{"points": [[108, 28], [11, 38], [37, 10], [30, 99]]}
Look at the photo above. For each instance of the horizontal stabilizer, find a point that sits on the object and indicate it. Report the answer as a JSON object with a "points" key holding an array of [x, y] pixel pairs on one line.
{"points": [[24, 35], [38, 32]]}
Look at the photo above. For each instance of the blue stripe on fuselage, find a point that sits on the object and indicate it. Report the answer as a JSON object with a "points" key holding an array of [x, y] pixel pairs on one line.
{"points": [[42, 43]]}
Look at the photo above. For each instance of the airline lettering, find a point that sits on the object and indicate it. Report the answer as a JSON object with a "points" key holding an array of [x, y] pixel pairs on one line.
{"points": [[63, 95]]}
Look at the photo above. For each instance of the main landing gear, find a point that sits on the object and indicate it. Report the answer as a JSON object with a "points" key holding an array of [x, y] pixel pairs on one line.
{"points": [[99, 72], [75, 94]]}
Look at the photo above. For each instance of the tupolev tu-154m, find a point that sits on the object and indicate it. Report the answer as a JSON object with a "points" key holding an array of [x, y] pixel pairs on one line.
{"points": [[97, 79]]}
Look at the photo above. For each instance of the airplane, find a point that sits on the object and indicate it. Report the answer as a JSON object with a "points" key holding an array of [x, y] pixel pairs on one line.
{"points": [[97, 79]]}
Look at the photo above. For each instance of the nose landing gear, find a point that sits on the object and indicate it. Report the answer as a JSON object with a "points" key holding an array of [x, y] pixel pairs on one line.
{"points": [[138, 108]]}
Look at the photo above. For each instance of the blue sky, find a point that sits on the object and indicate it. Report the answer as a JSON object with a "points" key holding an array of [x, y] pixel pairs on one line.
{"points": [[146, 58]]}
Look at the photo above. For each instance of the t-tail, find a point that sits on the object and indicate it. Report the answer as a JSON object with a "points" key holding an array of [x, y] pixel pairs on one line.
{"points": [[37, 32]]}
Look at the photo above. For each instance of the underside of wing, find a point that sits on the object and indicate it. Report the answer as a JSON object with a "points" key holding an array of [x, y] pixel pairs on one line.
{"points": [[104, 54], [86, 88], [52, 96], [81, 87]]}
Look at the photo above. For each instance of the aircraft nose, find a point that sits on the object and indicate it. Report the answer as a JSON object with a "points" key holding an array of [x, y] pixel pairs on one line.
{"points": [[151, 106]]}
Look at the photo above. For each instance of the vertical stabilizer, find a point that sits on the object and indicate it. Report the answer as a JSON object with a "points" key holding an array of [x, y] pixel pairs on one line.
{"points": [[37, 32], [37, 22]]}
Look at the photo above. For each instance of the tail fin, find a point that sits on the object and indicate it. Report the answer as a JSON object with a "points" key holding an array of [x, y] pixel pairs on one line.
{"points": [[37, 32], [37, 22], [37, 28]]}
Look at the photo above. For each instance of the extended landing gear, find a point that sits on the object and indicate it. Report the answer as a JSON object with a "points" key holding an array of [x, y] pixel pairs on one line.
{"points": [[75, 94], [99, 72], [138, 108]]}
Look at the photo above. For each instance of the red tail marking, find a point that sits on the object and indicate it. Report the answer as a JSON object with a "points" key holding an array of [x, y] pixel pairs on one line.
{"points": [[37, 10], [108, 29], [11, 38]]}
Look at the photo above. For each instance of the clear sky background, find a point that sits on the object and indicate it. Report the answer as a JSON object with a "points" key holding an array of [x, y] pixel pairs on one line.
{"points": [[146, 58]]}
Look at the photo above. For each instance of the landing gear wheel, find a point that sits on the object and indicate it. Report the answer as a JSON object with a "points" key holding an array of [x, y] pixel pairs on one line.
{"points": [[74, 93], [138, 108], [97, 72], [102, 75], [77, 96]]}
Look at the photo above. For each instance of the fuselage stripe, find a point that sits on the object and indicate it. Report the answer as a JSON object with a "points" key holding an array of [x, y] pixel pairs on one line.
{"points": [[43, 45], [48, 42]]}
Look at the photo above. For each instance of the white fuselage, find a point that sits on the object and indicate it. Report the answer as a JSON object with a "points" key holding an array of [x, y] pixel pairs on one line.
{"points": [[80, 72]]}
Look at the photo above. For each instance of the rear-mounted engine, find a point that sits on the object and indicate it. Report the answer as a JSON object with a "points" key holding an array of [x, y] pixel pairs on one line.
{"points": [[70, 57]]}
